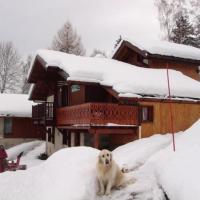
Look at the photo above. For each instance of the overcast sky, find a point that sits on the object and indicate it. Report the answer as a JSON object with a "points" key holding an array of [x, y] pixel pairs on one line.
{"points": [[31, 24]]}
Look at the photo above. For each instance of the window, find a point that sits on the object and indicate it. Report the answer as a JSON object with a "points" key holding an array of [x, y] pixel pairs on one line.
{"points": [[75, 88], [7, 126], [147, 114], [146, 61]]}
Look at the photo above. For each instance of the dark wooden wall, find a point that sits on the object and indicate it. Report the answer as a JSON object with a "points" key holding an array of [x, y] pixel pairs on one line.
{"points": [[78, 97], [90, 93], [95, 93], [23, 128], [129, 56], [188, 69]]}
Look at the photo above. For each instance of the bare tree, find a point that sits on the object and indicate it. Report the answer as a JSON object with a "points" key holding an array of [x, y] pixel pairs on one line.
{"points": [[67, 40], [10, 71], [25, 68], [195, 12], [168, 12]]}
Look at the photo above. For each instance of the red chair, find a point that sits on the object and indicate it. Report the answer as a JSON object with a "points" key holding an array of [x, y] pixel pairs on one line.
{"points": [[13, 166], [6, 165]]}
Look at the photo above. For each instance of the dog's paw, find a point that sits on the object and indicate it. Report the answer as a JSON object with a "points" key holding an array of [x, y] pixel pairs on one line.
{"points": [[107, 193], [119, 187], [100, 193]]}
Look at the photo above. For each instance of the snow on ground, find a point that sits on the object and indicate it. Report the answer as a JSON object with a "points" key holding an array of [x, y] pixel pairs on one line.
{"points": [[70, 173], [178, 172], [67, 174], [13, 152], [31, 150], [134, 154], [31, 158]]}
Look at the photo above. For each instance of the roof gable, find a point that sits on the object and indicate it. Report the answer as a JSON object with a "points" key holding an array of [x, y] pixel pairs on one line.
{"points": [[160, 49]]}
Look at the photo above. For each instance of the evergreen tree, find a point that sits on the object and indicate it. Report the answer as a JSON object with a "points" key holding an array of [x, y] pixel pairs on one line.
{"points": [[67, 40], [195, 12], [183, 31], [118, 41], [197, 32]]}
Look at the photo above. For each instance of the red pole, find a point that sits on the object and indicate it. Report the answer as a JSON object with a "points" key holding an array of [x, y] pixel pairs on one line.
{"points": [[170, 109]]}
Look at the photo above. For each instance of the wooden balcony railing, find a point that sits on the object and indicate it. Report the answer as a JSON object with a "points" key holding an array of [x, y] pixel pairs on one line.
{"points": [[43, 113], [97, 114]]}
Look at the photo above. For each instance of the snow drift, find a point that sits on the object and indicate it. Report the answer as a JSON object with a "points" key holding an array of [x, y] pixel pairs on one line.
{"points": [[70, 173], [178, 172]]}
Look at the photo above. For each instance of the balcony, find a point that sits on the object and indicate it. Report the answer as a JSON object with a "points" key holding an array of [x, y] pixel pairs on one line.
{"points": [[43, 114], [97, 114]]}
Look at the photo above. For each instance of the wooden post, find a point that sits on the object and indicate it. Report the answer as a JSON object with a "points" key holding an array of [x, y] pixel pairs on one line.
{"points": [[72, 139], [47, 140], [140, 131], [96, 140], [81, 139]]}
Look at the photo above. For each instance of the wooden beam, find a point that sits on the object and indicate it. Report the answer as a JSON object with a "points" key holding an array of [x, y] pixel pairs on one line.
{"points": [[116, 131], [96, 140], [70, 82]]}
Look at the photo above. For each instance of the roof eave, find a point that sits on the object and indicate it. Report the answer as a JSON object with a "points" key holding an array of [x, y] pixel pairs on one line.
{"points": [[173, 58], [147, 54]]}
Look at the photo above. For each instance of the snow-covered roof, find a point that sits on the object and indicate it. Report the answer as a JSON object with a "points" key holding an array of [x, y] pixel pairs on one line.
{"points": [[165, 48], [127, 80], [15, 105]]}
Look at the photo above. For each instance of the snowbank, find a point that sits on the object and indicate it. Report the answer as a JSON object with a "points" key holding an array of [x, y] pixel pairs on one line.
{"points": [[178, 172], [67, 174], [15, 105], [13, 152], [30, 159], [127, 80], [70, 173], [134, 154]]}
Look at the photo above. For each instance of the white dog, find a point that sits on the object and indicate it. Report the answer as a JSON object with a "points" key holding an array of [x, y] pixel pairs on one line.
{"points": [[108, 172]]}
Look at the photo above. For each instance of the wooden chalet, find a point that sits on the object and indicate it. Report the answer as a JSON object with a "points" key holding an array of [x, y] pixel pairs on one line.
{"points": [[77, 106], [15, 120], [160, 54]]}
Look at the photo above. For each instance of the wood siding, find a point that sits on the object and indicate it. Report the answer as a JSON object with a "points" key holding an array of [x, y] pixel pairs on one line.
{"points": [[95, 93], [77, 97], [186, 68], [184, 115], [131, 56], [22, 128]]}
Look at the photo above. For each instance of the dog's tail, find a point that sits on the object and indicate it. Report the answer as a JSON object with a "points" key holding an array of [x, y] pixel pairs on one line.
{"points": [[126, 169]]}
